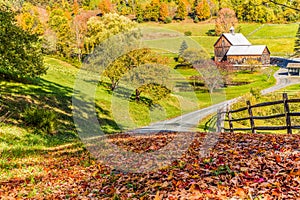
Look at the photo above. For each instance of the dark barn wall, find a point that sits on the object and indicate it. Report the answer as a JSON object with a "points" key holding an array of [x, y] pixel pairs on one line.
{"points": [[221, 47]]}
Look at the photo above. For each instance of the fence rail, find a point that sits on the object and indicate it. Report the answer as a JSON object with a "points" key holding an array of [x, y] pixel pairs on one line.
{"points": [[287, 114]]}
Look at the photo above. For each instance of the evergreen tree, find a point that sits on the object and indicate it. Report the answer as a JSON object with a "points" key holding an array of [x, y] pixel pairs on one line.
{"points": [[183, 47]]}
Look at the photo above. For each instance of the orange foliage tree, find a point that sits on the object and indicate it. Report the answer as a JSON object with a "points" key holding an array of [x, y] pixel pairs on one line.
{"points": [[163, 12], [105, 6], [226, 19]]}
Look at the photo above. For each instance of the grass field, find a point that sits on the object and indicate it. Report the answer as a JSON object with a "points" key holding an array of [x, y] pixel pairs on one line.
{"points": [[280, 38]]}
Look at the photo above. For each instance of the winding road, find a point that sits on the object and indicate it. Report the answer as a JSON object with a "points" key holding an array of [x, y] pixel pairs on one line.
{"points": [[189, 121]]}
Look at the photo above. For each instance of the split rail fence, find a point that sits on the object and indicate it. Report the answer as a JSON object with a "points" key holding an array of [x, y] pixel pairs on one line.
{"points": [[226, 116]]}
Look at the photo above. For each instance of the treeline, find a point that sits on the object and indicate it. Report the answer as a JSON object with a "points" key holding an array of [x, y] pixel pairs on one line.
{"points": [[261, 11]]}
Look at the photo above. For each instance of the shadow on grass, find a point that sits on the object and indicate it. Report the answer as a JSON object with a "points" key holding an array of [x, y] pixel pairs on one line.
{"points": [[16, 97]]}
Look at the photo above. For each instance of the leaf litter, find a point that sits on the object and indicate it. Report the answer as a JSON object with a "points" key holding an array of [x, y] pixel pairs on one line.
{"points": [[239, 166]]}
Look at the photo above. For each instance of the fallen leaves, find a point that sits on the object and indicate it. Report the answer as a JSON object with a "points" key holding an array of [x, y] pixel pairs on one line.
{"points": [[239, 166]]}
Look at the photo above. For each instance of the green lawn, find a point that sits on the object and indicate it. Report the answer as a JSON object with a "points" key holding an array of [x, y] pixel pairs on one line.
{"points": [[280, 38], [269, 31]]}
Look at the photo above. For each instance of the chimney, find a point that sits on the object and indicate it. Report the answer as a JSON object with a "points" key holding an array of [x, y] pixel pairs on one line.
{"points": [[232, 30]]}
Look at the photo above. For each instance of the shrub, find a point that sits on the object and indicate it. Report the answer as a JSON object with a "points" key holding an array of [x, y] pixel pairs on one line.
{"points": [[187, 33], [168, 20], [196, 20], [42, 119]]}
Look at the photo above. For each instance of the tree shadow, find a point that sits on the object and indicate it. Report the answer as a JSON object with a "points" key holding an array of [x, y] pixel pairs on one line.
{"points": [[16, 97]]}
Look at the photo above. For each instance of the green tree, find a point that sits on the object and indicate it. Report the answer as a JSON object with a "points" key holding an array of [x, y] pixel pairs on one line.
{"points": [[139, 13], [60, 22], [151, 79], [203, 10], [101, 28], [20, 51], [181, 11], [133, 59]]}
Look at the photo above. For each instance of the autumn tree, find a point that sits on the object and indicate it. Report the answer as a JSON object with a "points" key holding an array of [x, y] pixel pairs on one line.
{"points": [[163, 12], [226, 19], [105, 6], [202, 10], [29, 19], [139, 14], [101, 28], [152, 11], [20, 51], [60, 22], [75, 7], [181, 11]]}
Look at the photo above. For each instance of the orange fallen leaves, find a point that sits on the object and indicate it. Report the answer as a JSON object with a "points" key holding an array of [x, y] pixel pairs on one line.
{"points": [[240, 166]]}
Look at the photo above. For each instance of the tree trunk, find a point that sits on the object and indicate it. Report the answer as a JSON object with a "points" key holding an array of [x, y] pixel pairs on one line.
{"points": [[113, 85], [137, 95]]}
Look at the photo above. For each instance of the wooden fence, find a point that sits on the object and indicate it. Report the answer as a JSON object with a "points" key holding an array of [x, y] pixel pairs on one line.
{"points": [[286, 114]]}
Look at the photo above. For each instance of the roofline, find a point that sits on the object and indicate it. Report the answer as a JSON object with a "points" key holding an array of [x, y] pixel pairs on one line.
{"points": [[266, 47], [220, 38]]}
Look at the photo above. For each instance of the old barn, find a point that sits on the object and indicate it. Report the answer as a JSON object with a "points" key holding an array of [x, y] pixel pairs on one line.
{"points": [[236, 49]]}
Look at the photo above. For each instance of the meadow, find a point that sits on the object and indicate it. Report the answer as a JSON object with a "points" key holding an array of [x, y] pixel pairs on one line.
{"points": [[280, 38]]}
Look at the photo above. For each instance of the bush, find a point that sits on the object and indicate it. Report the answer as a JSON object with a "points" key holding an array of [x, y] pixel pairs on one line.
{"points": [[187, 33], [168, 20], [42, 119]]}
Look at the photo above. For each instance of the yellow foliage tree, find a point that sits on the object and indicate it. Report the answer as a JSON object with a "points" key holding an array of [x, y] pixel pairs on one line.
{"points": [[203, 10]]}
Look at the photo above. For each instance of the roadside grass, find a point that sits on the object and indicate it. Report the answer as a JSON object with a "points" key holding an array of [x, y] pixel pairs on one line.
{"points": [[257, 80], [267, 111]]}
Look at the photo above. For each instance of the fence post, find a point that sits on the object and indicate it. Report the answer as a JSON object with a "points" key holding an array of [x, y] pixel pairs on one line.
{"points": [[229, 119], [251, 117], [219, 121], [287, 113]]}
